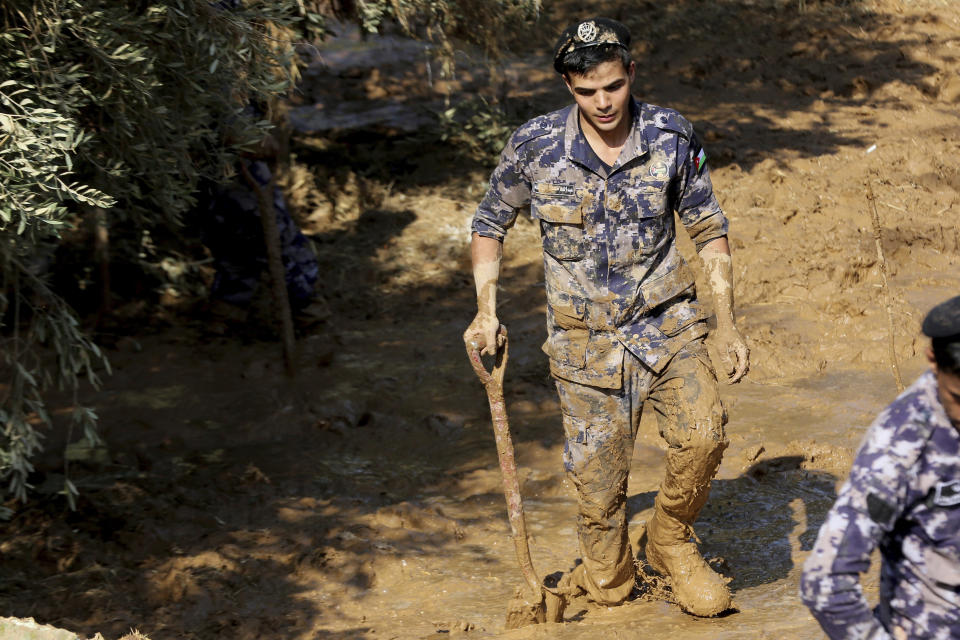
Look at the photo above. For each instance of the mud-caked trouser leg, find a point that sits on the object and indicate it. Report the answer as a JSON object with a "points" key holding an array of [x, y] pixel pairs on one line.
{"points": [[691, 420], [599, 445]]}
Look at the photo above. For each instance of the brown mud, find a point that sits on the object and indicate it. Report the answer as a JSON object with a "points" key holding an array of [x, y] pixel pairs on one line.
{"points": [[363, 499]]}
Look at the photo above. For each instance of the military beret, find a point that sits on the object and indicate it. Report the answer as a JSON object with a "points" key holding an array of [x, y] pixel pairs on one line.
{"points": [[943, 321], [589, 33]]}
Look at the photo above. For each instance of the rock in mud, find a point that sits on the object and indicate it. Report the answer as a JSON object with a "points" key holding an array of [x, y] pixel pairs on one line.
{"points": [[28, 629]]}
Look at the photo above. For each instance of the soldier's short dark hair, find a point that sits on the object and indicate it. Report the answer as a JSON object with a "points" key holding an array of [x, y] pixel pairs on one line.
{"points": [[946, 353], [942, 325], [581, 61]]}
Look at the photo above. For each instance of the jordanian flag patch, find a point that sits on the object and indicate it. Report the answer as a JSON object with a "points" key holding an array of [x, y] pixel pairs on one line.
{"points": [[700, 160]]}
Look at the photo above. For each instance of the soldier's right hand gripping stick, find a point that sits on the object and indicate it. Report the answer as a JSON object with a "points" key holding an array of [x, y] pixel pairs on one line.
{"points": [[537, 603]]}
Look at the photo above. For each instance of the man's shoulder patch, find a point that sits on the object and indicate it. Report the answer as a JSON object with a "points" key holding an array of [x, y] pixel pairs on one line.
{"points": [[539, 127], [700, 160], [667, 120], [880, 510]]}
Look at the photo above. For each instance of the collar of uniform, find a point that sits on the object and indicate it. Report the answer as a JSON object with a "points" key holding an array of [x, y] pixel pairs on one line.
{"points": [[576, 147], [636, 144]]}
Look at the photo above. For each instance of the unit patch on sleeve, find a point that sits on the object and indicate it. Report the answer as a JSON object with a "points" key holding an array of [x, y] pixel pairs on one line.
{"points": [[700, 160], [947, 494]]}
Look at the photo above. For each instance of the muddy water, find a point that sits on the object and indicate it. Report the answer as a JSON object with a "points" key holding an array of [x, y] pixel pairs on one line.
{"points": [[443, 558], [778, 479]]}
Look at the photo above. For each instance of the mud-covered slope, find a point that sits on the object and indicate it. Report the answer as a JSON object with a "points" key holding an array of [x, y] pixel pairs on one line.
{"points": [[363, 499]]}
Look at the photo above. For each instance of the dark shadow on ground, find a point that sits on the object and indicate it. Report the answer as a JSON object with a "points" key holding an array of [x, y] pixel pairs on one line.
{"points": [[728, 64], [731, 67], [226, 483]]}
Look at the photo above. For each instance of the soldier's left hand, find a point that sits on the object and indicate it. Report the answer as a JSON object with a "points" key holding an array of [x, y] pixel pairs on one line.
{"points": [[734, 353]]}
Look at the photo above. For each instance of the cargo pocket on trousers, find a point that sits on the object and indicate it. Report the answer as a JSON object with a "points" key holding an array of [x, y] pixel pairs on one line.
{"points": [[595, 463], [568, 347]]}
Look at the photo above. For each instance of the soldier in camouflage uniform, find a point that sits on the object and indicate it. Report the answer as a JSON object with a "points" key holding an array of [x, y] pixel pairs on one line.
{"points": [[231, 230], [903, 497], [604, 177]]}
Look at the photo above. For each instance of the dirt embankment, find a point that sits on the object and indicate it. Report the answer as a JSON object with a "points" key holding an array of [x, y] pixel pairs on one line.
{"points": [[362, 499]]}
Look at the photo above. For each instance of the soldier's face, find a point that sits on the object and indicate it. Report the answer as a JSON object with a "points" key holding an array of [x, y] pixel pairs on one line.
{"points": [[948, 389], [603, 95], [948, 386]]}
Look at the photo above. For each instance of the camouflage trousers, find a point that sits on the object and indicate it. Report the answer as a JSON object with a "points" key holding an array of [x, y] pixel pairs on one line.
{"points": [[600, 427]]}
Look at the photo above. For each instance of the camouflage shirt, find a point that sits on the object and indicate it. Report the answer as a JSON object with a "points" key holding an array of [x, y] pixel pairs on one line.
{"points": [[903, 496], [614, 278]]}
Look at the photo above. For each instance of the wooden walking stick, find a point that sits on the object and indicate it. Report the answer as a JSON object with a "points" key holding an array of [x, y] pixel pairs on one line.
{"points": [[536, 603], [278, 283], [888, 303]]}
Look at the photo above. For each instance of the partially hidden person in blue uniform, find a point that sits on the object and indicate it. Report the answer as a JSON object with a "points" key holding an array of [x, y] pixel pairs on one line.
{"points": [[229, 222], [604, 177], [903, 498], [232, 231]]}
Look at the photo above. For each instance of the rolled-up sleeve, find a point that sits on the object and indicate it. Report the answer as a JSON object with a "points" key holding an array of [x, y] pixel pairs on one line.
{"points": [[697, 206], [508, 193], [866, 509]]}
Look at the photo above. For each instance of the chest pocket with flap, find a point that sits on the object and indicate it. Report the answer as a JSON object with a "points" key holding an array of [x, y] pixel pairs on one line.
{"points": [[561, 219], [643, 224], [939, 517]]}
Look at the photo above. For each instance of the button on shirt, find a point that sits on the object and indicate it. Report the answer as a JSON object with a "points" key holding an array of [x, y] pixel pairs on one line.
{"points": [[903, 497], [614, 278]]}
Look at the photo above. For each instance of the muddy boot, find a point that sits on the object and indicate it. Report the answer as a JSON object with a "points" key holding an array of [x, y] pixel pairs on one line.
{"points": [[580, 582], [670, 551]]}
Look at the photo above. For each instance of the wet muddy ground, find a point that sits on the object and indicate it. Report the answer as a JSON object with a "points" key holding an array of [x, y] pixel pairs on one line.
{"points": [[362, 499]]}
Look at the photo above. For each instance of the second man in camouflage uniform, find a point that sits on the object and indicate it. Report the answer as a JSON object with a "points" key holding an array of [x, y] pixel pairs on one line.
{"points": [[604, 178], [903, 499]]}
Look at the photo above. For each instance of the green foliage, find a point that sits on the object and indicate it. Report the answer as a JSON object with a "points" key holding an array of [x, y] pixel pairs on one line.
{"points": [[477, 128], [155, 85], [114, 111], [28, 372], [115, 107], [36, 152]]}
